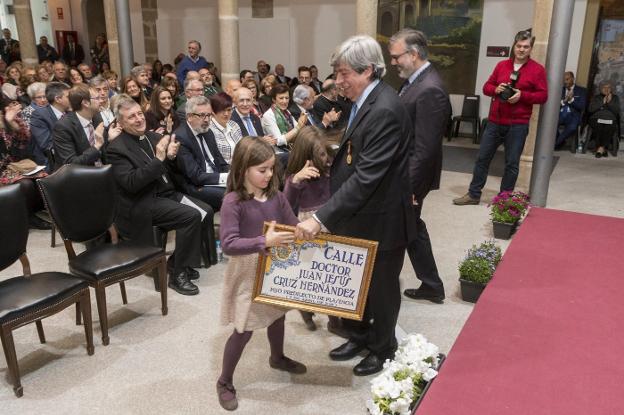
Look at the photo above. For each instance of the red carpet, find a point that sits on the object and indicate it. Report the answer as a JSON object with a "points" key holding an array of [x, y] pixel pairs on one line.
{"points": [[547, 334]]}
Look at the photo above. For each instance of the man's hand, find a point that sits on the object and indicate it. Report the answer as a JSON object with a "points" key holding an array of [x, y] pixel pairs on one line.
{"points": [[269, 139], [274, 238], [11, 111], [161, 148], [515, 97], [500, 88], [303, 118], [172, 149], [308, 229], [99, 136], [114, 130], [331, 117]]}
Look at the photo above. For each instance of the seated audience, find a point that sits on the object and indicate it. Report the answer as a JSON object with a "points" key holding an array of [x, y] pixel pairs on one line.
{"points": [[37, 95], [60, 72], [327, 101], [192, 88], [208, 81], [161, 117], [157, 72], [245, 75], [303, 101], [231, 86], [85, 71], [573, 102], [75, 77], [78, 138], [42, 73], [13, 74], [226, 132], [112, 78], [253, 87], [264, 100], [204, 169], [243, 115], [604, 110], [141, 76], [315, 83], [279, 75], [100, 85], [142, 162]]}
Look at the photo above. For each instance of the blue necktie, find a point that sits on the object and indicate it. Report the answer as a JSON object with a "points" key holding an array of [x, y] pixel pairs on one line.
{"points": [[250, 128], [354, 109]]}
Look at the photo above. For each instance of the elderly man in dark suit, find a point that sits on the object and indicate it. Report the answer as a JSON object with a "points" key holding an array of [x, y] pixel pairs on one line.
{"points": [[427, 102], [370, 195], [44, 119], [248, 122], [203, 167], [78, 138], [142, 165], [72, 54]]}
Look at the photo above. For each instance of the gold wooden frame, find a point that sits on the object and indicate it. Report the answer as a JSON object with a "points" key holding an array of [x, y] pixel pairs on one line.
{"points": [[358, 314]]}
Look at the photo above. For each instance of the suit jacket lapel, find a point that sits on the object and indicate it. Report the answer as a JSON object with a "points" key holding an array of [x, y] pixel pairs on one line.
{"points": [[370, 99]]}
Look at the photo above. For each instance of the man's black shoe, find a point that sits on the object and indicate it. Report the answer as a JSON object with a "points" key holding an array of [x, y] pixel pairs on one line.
{"points": [[420, 294], [181, 284], [345, 352], [370, 365], [190, 272]]}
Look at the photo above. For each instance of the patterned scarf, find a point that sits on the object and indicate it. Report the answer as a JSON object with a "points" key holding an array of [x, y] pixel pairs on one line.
{"points": [[284, 122]]}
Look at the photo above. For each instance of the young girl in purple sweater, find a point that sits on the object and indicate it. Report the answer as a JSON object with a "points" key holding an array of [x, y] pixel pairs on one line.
{"points": [[252, 198], [307, 189]]}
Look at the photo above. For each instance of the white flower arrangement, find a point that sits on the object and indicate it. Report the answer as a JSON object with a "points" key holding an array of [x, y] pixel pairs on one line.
{"points": [[402, 380]]}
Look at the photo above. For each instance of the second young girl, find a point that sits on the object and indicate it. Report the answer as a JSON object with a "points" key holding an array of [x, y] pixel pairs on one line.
{"points": [[252, 198], [307, 189]]}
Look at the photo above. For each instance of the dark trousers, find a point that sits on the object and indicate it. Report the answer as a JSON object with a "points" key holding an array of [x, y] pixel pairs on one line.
{"points": [[570, 122], [211, 195], [421, 256], [376, 330], [169, 214], [513, 138], [602, 133]]}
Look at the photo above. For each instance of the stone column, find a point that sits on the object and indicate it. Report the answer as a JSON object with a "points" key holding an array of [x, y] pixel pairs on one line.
{"points": [[542, 15], [150, 15], [366, 18], [124, 33], [25, 32], [228, 40], [110, 14]]}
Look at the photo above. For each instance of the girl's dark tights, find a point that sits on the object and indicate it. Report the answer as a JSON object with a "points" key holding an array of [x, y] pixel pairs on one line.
{"points": [[236, 344]]}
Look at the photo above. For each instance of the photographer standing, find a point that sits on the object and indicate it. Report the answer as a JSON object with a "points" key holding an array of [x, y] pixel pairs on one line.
{"points": [[515, 85]]}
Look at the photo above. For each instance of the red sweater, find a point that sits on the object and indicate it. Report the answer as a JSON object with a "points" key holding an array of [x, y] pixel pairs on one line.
{"points": [[532, 84]]}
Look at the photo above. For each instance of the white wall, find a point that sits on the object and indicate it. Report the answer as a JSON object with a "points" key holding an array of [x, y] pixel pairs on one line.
{"points": [[41, 20], [8, 20], [136, 22], [300, 32]]}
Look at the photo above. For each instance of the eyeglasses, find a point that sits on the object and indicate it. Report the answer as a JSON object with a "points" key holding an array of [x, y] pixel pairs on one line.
{"points": [[204, 115], [396, 57]]}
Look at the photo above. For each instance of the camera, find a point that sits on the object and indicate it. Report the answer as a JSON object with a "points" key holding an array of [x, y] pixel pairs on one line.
{"points": [[508, 92]]}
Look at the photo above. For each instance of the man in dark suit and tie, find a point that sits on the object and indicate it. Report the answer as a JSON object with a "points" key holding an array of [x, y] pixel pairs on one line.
{"points": [[248, 122], [142, 165], [44, 119], [573, 103], [204, 169], [73, 54], [370, 195], [8, 47], [427, 102], [78, 138], [303, 102]]}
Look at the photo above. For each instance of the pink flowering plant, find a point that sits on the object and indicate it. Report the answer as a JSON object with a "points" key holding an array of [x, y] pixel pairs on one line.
{"points": [[509, 207]]}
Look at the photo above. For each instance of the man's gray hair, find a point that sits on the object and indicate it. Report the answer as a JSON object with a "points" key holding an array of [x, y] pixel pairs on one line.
{"points": [[35, 88], [122, 101], [54, 90], [300, 93], [415, 41], [136, 71], [97, 81], [194, 102], [188, 82], [360, 52]]}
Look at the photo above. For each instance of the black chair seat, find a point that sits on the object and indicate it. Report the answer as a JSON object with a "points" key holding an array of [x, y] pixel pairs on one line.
{"points": [[106, 260], [20, 295]]}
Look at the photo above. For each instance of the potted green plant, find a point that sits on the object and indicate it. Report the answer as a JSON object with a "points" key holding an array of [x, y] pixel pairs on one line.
{"points": [[506, 210], [477, 268]]}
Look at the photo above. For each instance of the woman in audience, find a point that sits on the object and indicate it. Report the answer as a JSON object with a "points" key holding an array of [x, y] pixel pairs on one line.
{"points": [[171, 85], [226, 132], [253, 87], [42, 73], [113, 87], [75, 77], [277, 120], [157, 70], [161, 116], [130, 86], [36, 93], [604, 109], [99, 53], [265, 101], [13, 74]]}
